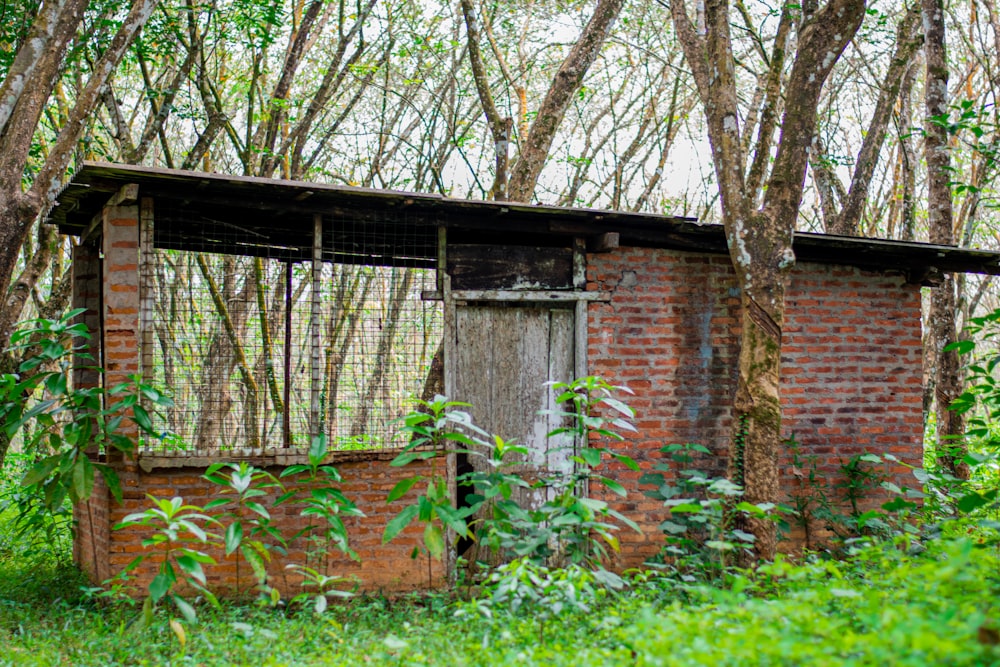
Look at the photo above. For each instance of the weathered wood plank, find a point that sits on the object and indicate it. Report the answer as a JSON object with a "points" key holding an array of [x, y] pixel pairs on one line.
{"points": [[316, 340], [579, 263], [561, 364], [603, 242], [126, 196]]}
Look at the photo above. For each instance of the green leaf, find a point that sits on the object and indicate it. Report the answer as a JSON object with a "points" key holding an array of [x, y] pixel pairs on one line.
{"points": [[618, 405], [40, 471], [399, 522], [627, 461], [719, 545], [111, 479], [294, 470], [684, 508], [255, 554], [971, 501], [401, 488], [192, 568], [258, 508], [673, 528], [962, 346], [591, 456], [403, 459], [142, 418], [614, 486], [185, 608], [159, 586], [750, 508], [434, 539], [83, 478], [55, 384], [317, 449], [453, 520], [233, 537]]}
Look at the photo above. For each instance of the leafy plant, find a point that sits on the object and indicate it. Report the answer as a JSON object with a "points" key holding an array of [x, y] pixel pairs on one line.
{"points": [[705, 512], [576, 526], [247, 523], [436, 427], [319, 587], [176, 541], [559, 522], [59, 423], [524, 587], [324, 501]]}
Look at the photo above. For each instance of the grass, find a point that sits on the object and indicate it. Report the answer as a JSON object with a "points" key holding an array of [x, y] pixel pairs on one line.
{"points": [[881, 606]]}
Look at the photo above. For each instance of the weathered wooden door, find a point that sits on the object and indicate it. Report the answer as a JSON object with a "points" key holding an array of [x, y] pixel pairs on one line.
{"points": [[505, 354]]}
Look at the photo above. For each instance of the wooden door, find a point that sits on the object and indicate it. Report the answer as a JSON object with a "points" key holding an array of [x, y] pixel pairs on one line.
{"points": [[504, 354]]}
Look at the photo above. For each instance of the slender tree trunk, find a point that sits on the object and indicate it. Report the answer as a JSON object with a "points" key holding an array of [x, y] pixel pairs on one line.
{"points": [[943, 312], [908, 40], [535, 147], [381, 358]]}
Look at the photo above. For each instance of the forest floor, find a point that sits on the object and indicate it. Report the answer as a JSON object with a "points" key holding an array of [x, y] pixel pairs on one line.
{"points": [[938, 604]]}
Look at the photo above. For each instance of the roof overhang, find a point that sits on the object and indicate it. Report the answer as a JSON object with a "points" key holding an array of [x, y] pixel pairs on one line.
{"points": [[196, 208]]}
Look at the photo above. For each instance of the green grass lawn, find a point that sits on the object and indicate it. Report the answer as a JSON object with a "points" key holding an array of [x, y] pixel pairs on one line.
{"points": [[881, 607]]}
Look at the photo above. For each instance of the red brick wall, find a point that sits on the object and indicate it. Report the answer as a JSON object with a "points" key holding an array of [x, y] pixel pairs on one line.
{"points": [[87, 281], [382, 568], [851, 383], [851, 364], [121, 293], [92, 533]]}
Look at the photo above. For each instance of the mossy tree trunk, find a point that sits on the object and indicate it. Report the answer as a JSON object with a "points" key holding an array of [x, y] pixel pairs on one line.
{"points": [[760, 237]]}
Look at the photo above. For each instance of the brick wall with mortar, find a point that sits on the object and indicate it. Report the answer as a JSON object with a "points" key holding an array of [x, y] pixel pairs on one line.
{"points": [[87, 281], [92, 537], [367, 481], [851, 366], [851, 383]]}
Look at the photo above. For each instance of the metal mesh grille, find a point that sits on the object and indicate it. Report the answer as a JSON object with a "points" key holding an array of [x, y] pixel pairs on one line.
{"points": [[261, 352]]}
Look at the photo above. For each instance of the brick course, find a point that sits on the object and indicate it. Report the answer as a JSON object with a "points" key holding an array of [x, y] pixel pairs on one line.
{"points": [[102, 553], [851, 365], [851, 383]]}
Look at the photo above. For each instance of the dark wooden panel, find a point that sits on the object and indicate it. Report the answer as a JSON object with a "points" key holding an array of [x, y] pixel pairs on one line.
{"points": [[509, 267]]}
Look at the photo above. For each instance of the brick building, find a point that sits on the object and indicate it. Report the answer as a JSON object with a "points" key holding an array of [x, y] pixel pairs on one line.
{"points": [[519, 295]]}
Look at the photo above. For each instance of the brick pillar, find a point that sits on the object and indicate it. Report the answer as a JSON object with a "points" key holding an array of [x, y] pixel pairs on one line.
{"points": [[120, 310]]}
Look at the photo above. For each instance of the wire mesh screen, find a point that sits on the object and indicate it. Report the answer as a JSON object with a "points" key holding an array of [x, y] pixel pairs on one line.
{"points": [[264, 351]]}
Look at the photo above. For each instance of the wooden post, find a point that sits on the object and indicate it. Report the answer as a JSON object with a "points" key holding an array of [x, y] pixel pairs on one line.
{"points": [[314, 336], [286, 418], [146, 302]]}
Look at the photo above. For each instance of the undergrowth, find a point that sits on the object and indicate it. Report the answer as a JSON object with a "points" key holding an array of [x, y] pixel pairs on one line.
{"points": [[885, 604]]}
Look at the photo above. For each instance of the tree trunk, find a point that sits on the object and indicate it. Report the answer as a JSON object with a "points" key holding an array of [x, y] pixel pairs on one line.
{"points": [[757, 408], [535, 147], [948, 379], [760, 240]]}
